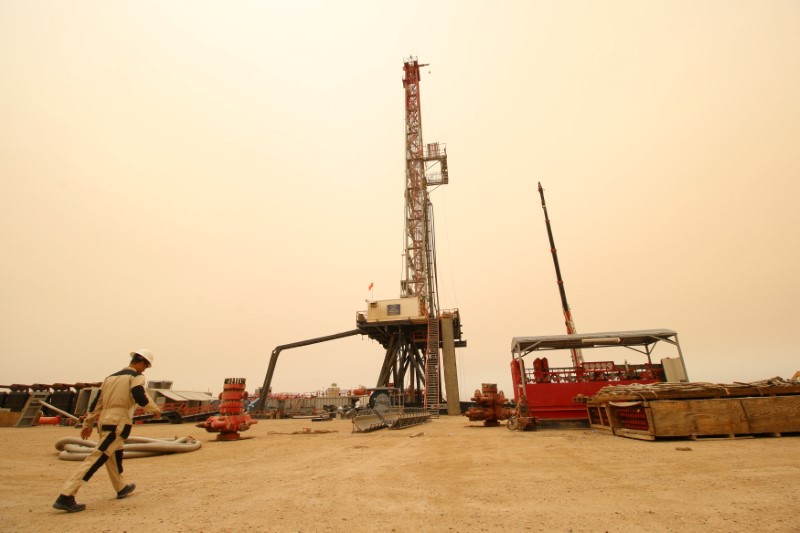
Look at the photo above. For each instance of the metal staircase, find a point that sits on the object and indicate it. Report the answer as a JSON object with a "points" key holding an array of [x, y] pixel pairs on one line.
{"points": [[27, 417], [432, 368]]}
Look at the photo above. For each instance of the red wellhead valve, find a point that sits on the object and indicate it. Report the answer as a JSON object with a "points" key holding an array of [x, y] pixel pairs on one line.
{"points": [[231, 419]]}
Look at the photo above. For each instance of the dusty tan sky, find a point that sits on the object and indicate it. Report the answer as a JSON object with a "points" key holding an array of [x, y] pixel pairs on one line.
{"points": [[210, 180]]}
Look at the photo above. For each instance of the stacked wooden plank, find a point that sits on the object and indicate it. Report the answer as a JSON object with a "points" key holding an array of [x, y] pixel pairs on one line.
{"points": [[694, 410]]}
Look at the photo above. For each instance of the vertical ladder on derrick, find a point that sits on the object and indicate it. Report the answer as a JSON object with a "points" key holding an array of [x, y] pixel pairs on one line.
{"points": [[432, 367], [27, 417]]}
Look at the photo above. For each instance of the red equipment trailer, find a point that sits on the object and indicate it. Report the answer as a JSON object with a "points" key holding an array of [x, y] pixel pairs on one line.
{"points": [[546, 393]]}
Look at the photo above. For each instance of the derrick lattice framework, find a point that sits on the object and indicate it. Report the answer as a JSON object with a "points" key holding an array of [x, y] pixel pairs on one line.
{"points": [[420, 253], [412, 341]]}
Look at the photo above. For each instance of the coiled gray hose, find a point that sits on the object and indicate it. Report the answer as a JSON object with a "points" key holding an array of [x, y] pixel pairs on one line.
{"points": [[76, 449]]}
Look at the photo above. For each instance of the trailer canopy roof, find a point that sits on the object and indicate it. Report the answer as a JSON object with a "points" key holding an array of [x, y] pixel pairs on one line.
{"points": [[520, 346], [183, 396]]}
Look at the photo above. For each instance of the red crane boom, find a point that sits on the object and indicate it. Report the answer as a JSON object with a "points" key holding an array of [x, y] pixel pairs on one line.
{"points": [[577, 355]]}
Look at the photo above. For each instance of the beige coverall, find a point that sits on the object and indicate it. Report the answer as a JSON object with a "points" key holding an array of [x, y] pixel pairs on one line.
{"points": [[119, 395]]}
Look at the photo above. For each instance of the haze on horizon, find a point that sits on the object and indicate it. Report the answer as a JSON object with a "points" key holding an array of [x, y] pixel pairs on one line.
{"points": [[211, 180]]}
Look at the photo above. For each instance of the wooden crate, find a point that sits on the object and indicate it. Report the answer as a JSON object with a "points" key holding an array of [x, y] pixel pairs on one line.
{"points": [[651, 419], [598, 416], [8, 418]]}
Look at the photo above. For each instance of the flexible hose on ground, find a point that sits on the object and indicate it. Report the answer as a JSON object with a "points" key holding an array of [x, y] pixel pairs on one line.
{"points": [[75, 449]]}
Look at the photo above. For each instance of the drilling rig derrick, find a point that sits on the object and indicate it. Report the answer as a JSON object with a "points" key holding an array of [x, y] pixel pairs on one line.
{"points": [[413, 329]]}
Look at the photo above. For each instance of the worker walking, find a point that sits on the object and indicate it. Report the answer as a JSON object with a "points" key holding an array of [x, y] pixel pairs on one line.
{"points": [[119, 395]]}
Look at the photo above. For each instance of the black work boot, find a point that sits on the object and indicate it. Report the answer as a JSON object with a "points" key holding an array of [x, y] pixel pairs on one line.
{"points": [[68, 504], [127, 489]]}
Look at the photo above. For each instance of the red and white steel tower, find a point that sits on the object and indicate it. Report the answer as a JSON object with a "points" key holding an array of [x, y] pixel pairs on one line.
{"points": [[412, 341], [426, 166]]}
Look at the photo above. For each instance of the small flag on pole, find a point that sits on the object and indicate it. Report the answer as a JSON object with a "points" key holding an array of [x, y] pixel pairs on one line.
{"points": [[370, 286]]}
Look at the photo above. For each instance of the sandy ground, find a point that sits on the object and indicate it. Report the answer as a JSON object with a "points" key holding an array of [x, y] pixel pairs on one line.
{"points": [[446, 475]]}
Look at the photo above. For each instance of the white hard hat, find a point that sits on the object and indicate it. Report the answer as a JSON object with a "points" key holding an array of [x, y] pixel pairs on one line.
{"points": [[147, 355]]}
